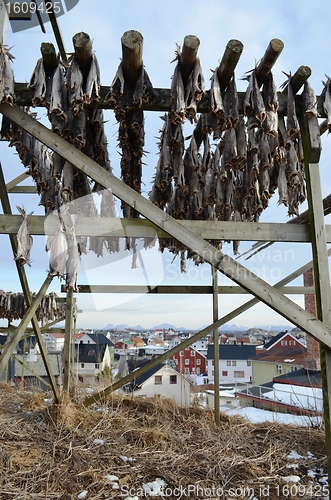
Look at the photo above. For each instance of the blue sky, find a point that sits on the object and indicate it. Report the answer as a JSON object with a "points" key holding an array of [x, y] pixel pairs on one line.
{"points": [[303, 29]]}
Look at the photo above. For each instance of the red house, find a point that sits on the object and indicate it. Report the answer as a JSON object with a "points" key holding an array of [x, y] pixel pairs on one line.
{"points": [[190, 361], [283, 339]]}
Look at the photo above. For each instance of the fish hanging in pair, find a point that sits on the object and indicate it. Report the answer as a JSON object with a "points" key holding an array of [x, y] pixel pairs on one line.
{"points": [[24, 240]]}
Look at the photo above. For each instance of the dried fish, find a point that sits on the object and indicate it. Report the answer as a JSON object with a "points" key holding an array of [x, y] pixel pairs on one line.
{"points": [[194, 91], [309, 101], [231, 104], [254, 105], [293, 128], [326, 93], [58, 252], [24, 240], [270, 99], [73, 260]]}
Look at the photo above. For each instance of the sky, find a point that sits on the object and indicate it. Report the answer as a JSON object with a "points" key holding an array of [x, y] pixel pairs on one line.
{"points": [[304, 31]]}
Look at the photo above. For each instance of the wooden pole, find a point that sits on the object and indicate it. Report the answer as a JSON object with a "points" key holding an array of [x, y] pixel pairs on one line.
{"points": [[132, 56], [188, 56], [68, 342], [229, 62], [83, 52], [10, 346], [225, 319], [299, 78], [57, 34], [223, 262], [26, 289], [312, 149], [216, 349], [49, 56], [271, 55]]}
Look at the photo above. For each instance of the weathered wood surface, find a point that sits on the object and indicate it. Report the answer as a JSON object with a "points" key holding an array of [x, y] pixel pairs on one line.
{"points": [[271, 55], [224, 263], [229, 62], [216, 338], [162, 101], [68, 342], [211, 230], [183, 289], [132, 56], [188, 56]]}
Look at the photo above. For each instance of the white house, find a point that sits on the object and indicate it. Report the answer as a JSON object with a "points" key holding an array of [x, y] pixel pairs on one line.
{"points": [[234, 364], [54, 342], [165, 382], [90, 361]]}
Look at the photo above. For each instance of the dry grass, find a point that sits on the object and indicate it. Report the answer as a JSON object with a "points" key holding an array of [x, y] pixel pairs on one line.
{"points": [[50, 451]]}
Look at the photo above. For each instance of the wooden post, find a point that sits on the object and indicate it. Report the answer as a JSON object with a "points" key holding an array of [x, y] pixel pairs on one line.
{"points": [[68, 342], [271, 55], [57, 34], [26, 290], [299, 78], [312, 150], [216, 349], [10, 346], [132, 56], [229, 62], [49, 56], [188, 56], [83, 52]]}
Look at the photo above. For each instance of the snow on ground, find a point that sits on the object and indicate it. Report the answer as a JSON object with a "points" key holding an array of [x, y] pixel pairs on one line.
{"points": [[255, 415]]}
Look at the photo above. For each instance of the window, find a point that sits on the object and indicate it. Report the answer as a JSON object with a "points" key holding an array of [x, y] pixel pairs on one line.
{"points": [[249, 363], [90, 352], [96, 366], [187, 371], [224, 374], [292, 342], [228, 363], [82, 365], [187, 361], [158, 380], [293, 368], [192, 353], [279, 369], [173, 379], [234, 363], [198, 371], [187, 348], [238, 374], [181, 353], [193, 369], [284, 342], [176, 361], [198, 361]]}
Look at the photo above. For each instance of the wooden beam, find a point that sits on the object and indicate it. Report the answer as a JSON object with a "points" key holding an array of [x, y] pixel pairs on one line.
{"points": [[68, 342], [299, 78], [162, 101], [132, 56], [188, 56], [312, 149], [224, 263], [183, 289], [222, 321], [216, 349], [50, 59], [271, 55], [211, 230], [20, 178], [229, 62], [57, 34]]}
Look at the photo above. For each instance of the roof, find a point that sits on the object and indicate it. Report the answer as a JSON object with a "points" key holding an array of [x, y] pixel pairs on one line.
{"points": [[282, 354], [100, 338], [228, 351], [278, 337], [91, 353], [303, 377], [135, 364]]}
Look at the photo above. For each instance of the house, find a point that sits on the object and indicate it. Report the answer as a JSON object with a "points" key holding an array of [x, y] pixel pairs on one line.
{"points": [[97, 339], [189, 361], [28, 371], [54, 342], [165, 382], [90, 361], [283, 339], [175, 341], [234, 363], [297, 392], [280, 360], [138, 342]]}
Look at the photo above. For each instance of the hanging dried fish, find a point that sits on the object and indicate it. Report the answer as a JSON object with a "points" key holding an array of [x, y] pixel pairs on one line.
{"points": [[73, 261], [92, 86], [108, 209], [270, 99], [231, 104], [38, 84], [254, 105], [177, 97], [74, 85], [326, 93], [58, 252], [194, 91], [293, 128], [216, 113], [309, 101], [24, 240]]}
